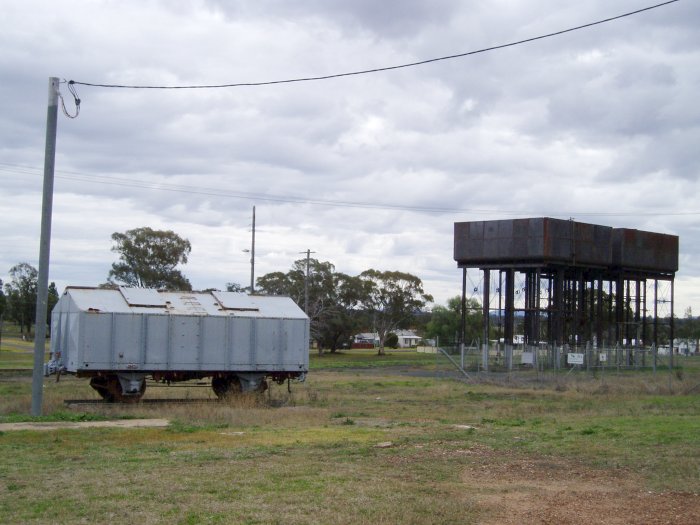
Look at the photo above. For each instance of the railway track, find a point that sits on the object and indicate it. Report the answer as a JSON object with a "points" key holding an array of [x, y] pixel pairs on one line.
{"points": [[154, 401]]}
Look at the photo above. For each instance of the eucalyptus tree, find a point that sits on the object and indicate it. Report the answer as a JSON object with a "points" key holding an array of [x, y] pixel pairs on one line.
{"points": [[689, 329], [446, 321], [149, 258], [2, 302], [345, 315], [312, 288], [21, 296], [392, 300]]}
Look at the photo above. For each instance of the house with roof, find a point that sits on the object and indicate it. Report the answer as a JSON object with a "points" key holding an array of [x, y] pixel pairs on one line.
{"points": [[407, 339]]}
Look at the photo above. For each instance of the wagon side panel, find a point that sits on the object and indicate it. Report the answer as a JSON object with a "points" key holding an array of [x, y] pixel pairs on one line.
{"points": [[157, 356], [127, 342], [214, 346], [296, 341], [97, 338], [185, 342], [241, 340], [268, 346]]}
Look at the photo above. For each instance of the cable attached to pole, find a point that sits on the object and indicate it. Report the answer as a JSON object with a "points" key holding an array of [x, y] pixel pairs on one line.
{"points": [[387, 68], [76, 99]]}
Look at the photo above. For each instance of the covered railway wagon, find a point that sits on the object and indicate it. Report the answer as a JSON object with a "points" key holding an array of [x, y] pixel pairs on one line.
{"points": [[119, 337]]}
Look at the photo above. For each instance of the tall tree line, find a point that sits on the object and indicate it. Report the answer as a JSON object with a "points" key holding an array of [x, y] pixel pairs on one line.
{"points": [[341, 305], [18, 302]]}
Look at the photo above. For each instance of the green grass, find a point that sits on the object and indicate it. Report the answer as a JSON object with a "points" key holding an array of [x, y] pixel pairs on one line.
{"points": [[16, 353], [312, 456], [52, 417]]}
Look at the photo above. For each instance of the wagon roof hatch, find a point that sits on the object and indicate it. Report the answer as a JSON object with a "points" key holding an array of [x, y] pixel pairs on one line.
{"points": [[144, 297], [238, 302]]}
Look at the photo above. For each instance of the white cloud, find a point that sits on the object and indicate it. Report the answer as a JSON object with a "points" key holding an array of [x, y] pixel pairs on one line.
{"points": [[598, 121]]}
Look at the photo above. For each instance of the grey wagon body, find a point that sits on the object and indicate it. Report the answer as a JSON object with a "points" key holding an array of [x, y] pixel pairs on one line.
{"points": [[134, 332]]}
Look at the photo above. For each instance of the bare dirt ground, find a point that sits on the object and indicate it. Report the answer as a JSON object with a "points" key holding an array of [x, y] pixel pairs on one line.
{"points": [[515, 490], [121, 423]]}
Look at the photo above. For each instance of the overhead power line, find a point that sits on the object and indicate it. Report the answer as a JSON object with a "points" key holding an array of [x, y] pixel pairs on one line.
{"points": [[380, 69], [291, 199]]}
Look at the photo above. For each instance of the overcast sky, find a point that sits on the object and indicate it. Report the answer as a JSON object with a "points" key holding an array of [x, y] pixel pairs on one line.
{"points": [[371, 171]]}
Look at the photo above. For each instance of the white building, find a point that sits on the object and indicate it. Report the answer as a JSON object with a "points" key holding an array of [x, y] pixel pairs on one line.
{"points": [[407, 338]]}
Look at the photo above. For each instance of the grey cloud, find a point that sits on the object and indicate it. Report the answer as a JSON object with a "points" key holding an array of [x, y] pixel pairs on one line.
{"points": [[391, 19], [586, 122]]}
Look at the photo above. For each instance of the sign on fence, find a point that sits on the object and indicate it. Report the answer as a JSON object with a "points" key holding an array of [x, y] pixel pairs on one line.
{"points": [[603, 357], [574, 359], [527, 358]]}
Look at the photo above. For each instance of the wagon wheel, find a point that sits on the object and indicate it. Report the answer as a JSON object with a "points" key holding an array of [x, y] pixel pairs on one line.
{"points": [[101, 385], [226, 386], [110, 389]]}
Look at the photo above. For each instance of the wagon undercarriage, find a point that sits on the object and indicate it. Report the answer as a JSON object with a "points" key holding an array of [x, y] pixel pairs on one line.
{"points": [[129, 387]]}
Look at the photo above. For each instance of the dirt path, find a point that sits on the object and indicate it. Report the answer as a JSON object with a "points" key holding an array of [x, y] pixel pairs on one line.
{"points": [[121, 423], [515, 490]]}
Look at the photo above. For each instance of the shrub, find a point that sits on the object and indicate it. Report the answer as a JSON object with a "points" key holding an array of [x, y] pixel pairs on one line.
{"points": [[392, 340]]}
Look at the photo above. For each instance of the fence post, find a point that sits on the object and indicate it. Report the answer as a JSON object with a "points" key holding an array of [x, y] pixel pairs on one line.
{"points": [[588, 356]]}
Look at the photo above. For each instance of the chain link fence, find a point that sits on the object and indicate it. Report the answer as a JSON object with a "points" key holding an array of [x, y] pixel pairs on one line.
{"points": [[475, 357]]}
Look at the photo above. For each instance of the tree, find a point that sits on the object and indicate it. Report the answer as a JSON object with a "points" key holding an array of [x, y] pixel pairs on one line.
{"points": [[446, 322], [689, 329], [334, 299], [2, 302], [2, 310], [21, 296], [278, 283], [235, 287], [148, 258], [392, 340], [321, 289], [344, 317], [392, 300], [52, 299]]}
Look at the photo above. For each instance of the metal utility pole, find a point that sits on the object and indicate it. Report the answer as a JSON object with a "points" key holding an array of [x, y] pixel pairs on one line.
{"points": [[252, 258], [44, 248], [306, 281], [463, 322], [251, 251]]}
